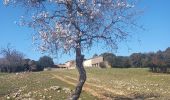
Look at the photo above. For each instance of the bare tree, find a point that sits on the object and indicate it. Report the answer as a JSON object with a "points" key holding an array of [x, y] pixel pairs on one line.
{"points": [[74, 25], [11, 56]]}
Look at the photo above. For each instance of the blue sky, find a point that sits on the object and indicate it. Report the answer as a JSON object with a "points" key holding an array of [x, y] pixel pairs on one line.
{"points": [[156, 20]]}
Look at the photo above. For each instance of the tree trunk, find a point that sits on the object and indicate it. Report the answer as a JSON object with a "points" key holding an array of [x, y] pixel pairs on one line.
{"points": [[82, 74]]}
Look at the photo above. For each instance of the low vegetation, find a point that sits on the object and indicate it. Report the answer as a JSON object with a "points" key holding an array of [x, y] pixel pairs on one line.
{"points": [[35, 86], [157, 62], [107, 84], [14, 61]]}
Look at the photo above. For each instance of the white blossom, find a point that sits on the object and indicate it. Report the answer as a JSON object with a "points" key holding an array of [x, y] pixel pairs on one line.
{"points": [[130, 6], [62, 28], [99, 4], [121, 4], [82, 1], [79, 14], [6, 2]]}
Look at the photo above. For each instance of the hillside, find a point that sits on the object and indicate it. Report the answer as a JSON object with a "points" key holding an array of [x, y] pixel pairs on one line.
{"points": [[118, 84]]}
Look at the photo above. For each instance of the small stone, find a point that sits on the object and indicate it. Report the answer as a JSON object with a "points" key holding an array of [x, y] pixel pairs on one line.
{"points": [[128, 88], [80, 99], [16, 95], [35, 92], [44, 97], [26, 95], [133, 87], [58, 91], [30, 93], [45, 89], [19, 90], [55, 88], [31, 99], [67, 90], [156, 84], [8, 98]]}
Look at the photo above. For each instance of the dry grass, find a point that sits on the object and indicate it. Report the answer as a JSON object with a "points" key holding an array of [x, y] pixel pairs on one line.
{"points": [[104, 84], [35, 86], [125, 83]]}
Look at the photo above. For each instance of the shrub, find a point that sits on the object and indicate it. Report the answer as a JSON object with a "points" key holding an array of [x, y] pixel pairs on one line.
{"points": [[46, 61]]}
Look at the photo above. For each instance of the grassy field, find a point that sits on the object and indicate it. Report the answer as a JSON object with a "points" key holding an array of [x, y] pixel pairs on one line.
{"points": [[35, 86], [102, 84]]}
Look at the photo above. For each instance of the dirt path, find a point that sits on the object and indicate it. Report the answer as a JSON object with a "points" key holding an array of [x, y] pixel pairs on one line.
{"points": [[116, 92], [85, 88]]}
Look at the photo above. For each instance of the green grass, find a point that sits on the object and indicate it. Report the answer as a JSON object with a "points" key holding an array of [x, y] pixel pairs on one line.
{"points": [[127, 84], [132, 82], [35, 85]]}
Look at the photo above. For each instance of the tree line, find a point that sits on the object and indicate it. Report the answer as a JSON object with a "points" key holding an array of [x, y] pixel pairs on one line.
{"points": [[157, 62], [15, 61]]}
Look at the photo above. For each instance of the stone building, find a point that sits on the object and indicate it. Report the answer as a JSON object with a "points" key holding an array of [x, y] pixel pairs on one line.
{"points": [[87, 63], [97, 61], [93, 62]]}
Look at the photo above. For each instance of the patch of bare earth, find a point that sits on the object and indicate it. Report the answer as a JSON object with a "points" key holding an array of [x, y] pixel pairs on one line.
{"points": [[85, 88], [98, 92]]}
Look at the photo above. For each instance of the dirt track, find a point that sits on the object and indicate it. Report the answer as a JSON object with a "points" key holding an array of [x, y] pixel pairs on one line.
{"points": [[87, 87]]}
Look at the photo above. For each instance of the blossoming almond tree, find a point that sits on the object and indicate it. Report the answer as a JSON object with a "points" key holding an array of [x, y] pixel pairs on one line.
{"points": [[74, 25]]}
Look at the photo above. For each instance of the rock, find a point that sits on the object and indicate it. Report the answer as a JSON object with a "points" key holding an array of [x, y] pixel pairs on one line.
{"points": [[55, 88], [26, 95], [44, 97], [45, 89], [19, 90], [16, 95], [156, 84], [8, 98], [35, 92], [133, 87], [67, 90], [30, 93], [128, 88], [58, 91]]}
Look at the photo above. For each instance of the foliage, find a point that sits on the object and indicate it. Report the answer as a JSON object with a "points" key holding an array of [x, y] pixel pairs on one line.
{"points": [[122, 62], [110, 58], [46, 61], [116, 61], [13, 61], [35, 66], [167, 56], [157, 62], [136, 59]]}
